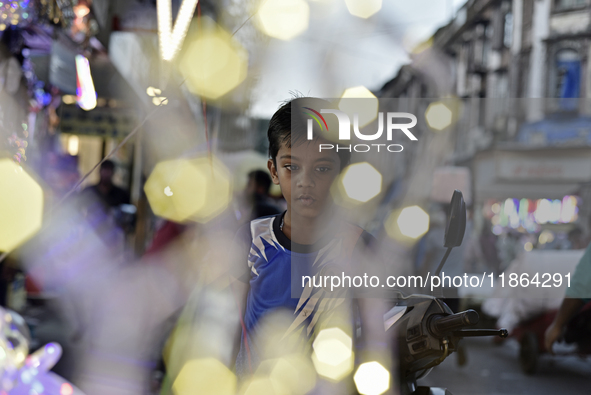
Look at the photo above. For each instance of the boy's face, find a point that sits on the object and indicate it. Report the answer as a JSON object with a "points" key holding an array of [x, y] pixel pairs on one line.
{"points": [[305, 176]]}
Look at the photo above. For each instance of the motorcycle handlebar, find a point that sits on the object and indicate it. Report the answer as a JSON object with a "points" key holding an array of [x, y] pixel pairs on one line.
{"points": [[441, 325]]}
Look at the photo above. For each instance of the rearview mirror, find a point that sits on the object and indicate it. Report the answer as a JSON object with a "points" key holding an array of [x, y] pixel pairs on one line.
{"points": [[456, 221]]}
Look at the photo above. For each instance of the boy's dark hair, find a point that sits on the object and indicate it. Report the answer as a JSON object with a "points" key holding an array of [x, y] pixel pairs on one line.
{"points": [[290, 127], [261, 178]]}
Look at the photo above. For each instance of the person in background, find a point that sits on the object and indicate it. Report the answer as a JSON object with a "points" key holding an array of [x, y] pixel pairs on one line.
{"points": [[576, 239], [573, 319], [257, 192], [488, 246], [110, 194]]}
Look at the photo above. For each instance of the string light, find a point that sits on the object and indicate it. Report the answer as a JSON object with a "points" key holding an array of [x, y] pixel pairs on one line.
{"points": [[171, 38], [85, 93]]}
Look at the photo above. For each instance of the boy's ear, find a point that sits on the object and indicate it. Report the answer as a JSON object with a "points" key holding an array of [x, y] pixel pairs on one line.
{"points": [[273, 171]]}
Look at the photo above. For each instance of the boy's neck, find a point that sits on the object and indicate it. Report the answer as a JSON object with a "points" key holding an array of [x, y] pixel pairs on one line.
{"points": [[308, 230]]}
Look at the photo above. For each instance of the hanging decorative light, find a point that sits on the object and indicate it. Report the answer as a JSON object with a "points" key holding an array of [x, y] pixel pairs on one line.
{"points": [[85, 93], [15, 13]]}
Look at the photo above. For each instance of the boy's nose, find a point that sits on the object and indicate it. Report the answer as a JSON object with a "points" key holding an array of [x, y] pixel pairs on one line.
{"points": [[306, 180]]}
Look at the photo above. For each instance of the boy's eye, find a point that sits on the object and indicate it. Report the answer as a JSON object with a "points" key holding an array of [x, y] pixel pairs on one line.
{"points": [[291, 167]]}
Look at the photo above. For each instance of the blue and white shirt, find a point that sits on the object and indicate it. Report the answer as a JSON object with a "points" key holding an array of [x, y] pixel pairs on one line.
{"points": [[275, 267]]}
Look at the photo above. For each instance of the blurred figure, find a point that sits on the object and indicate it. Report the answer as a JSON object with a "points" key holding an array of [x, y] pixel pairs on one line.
{"points": [[257, 193], [576, 239], [116, 313], [507, 247], [110, 199], [165, 234], [572, 321], [109, 193], [488, 246]]}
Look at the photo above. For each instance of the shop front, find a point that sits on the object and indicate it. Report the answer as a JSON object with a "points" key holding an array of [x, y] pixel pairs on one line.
{"points": [[533, 192]]}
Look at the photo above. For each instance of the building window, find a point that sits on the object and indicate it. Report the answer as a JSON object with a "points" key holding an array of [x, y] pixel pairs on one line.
{"points": [[568, 74], [563, 5], [508, 30]]}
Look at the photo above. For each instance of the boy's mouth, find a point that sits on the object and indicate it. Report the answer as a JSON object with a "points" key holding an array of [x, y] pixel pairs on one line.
{"points": [[306, 200]]}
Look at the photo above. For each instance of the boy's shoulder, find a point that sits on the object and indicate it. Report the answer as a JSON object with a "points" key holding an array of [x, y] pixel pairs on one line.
{"points": [[251, 229]]}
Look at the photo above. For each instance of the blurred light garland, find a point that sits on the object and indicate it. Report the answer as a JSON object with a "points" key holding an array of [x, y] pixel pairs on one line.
{"points": [[20, 143], [15, 13]]}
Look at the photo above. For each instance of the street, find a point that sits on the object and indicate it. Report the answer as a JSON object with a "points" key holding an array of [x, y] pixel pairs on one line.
{"points": [[495, 370]]}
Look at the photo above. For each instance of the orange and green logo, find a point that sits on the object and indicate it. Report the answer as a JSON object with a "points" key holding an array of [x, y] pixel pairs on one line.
{"points": [[315, 117]]}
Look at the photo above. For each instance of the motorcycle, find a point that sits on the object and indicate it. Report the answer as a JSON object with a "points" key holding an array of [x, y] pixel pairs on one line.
{"points": [[427, 330]]}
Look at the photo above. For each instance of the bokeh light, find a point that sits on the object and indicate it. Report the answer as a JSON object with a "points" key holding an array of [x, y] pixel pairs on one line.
{"points": [[214, 63], [528, 246], [292, 374], [546, 236], [283, 19], [73, 144], [413, 222], [407, 224], [361, 182], [21, 205], [205, 377], [372, 378], [359, 100], [295, 372], [263, 386], [333, 354], [363, 8], [181, 190], [438, 116]]}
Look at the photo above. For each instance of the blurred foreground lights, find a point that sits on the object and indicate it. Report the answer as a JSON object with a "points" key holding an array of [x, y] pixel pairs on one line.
{"points": [[359, 100], [69, 99], [263, 386], [85, 93], [73, 145], [214, 63], [333, 355], [407, 224], [66, 389], [363, 8], [205, 377], [157, 100], [21, 205], [372, 379], [413, 222], [438, 116], [362, 182], [294, 372], [283, 19], [189, 189], [151, 91]]}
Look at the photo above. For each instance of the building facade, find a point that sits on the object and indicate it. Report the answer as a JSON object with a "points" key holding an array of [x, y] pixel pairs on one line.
{"points": [[520, 72]]}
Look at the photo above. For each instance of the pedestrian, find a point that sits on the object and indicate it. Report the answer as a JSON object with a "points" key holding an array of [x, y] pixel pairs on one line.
{"points": [[257, 194]]}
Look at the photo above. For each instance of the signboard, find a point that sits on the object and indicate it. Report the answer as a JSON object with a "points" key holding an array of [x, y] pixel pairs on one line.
{"points": [[557, 166], [104, 122]]}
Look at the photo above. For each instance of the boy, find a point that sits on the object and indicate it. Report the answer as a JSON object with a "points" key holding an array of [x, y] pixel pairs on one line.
{"points": [[304, 240]]}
